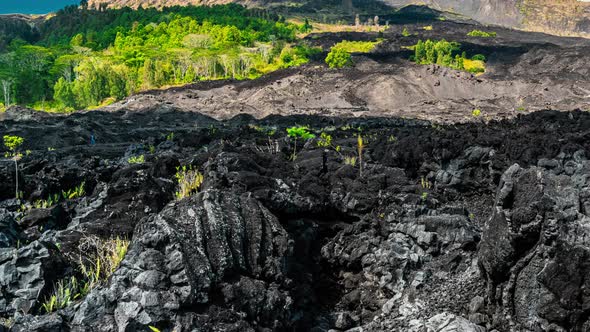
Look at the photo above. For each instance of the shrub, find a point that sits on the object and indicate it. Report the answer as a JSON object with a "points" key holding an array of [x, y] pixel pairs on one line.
{"points": [[479, 57], [405, 32], [338, 58], [479, 33], [189, 181], [12, 143], [104, 258], [474, 66], [107, 256], [439, 52], [299, 132], [446, 54], [475, 113]]}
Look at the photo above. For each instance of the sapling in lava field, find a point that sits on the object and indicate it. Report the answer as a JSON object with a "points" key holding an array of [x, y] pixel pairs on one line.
{"points": [[12, 143], [360, 147], [299, 132]]}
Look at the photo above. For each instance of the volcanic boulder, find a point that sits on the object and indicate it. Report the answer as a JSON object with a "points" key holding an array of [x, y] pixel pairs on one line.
{"points": [[214, 259], [535, 250]]}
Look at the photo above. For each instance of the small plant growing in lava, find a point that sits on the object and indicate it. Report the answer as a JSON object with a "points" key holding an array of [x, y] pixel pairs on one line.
{"points": [[95, 269], [189, 181], [325, 141], [75, 192], [360, 146], [476, 113], [350, 160], [299, 132], [136, 159], [12, 143]]}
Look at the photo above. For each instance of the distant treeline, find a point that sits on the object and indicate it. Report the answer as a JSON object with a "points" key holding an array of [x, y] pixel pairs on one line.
{"points": [[82, 57]]}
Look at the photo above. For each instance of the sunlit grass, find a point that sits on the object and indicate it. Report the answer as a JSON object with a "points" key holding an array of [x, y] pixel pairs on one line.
{"points": [[327, 27], [356, 46], [474, 66]]}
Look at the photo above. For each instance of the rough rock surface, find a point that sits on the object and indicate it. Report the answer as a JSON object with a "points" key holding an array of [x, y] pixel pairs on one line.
{"points": [[535, 247], [189, 256], [27, 274], [466, 227]]}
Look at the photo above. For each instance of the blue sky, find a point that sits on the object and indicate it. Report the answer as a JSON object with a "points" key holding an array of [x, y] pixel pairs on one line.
{"points": [[33, 6]]}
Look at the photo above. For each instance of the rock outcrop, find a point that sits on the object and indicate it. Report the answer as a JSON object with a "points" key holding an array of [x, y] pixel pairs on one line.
{"points": [[535, 247], [468, 227]]}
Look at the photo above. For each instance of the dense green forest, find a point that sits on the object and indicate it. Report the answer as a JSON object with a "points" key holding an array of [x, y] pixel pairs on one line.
{"points": [[83, 58]]}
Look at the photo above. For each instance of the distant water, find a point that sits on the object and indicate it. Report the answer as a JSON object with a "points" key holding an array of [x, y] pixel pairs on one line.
{"points": [[33, 6]]}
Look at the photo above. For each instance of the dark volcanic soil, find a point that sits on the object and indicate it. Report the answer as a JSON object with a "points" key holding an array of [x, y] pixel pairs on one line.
{"points": [[465, 227], [525, 72]]}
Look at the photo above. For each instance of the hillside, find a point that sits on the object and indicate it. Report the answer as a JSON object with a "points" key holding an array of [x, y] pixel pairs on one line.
{"points": [[561, 17]]}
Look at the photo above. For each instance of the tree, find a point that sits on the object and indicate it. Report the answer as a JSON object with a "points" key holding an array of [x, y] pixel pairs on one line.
{"points": [[77, 40], [6, 84], [63, 93], [420, 52], [338, 58], [306, 26]]}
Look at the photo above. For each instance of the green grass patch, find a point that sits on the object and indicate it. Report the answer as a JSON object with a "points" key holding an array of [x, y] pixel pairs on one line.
{"points": [[356, 46], [480, 33]]}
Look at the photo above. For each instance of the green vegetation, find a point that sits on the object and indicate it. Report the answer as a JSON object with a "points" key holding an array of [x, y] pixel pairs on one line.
{"points": [[88, 58], [338, 58], [478, 57], [424, 196], [75, 192], [189, 181], [94, 269], [360, 146], [299, 132], [136, 159], [12, 143], [476, 113], [54, 199], [325, 141], [339, 55], [64, 293], [406, 32], [479, 33], [350, 160], [356, 46], [446, 54]]}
